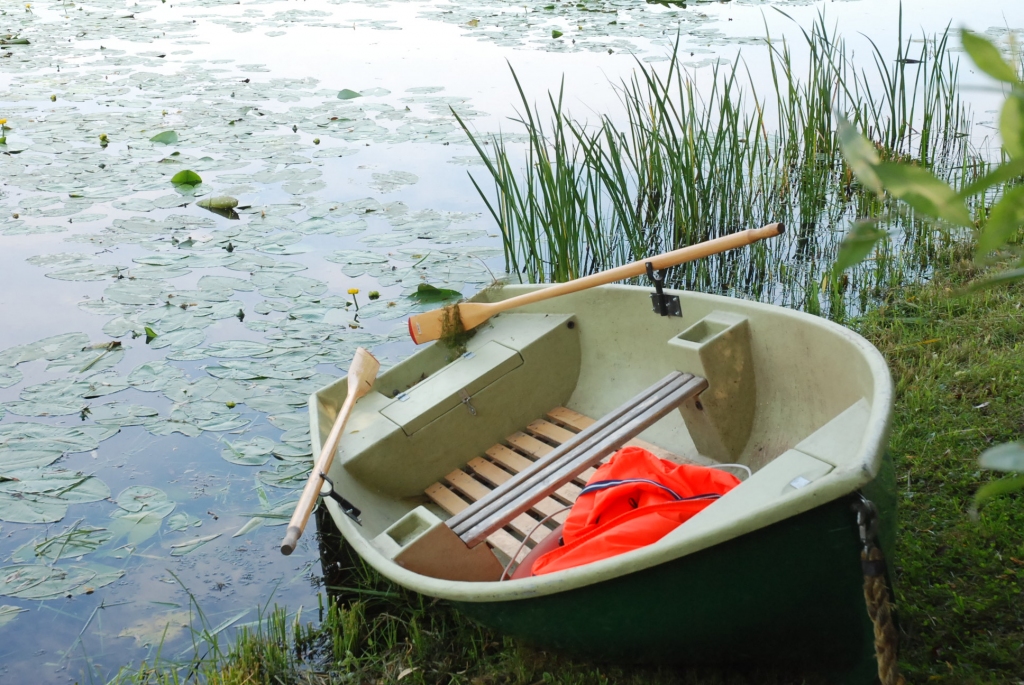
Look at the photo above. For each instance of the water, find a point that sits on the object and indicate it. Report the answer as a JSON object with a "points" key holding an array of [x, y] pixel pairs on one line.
{"points": [[165, 469]]}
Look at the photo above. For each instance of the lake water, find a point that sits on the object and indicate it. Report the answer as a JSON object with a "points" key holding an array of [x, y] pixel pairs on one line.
{"points": [[156, 357]]}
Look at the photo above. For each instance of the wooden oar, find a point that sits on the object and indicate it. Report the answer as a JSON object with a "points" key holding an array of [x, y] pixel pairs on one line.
{"points": [[429, 325], [361, 374]]}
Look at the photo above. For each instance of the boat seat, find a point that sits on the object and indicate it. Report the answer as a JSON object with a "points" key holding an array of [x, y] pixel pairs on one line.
{"points": [[538, 472]]}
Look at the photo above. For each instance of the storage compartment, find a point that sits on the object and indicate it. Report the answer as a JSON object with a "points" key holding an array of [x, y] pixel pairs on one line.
{"points": [[443, 391]]}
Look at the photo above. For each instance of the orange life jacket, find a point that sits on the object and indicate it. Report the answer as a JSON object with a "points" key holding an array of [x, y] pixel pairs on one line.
{"points": [[633, 500]]}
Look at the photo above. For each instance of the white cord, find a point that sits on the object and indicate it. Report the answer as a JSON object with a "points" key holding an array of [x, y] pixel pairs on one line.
{"points": [[528, 536], [742, 467]]}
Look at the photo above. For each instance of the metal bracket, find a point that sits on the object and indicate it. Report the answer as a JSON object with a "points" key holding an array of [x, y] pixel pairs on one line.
{"points": [[350, 509], [466, 401], [665, 305]]}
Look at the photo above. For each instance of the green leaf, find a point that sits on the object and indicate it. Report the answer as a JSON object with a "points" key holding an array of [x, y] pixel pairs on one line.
{"points": [[167, 138], [426, 293], [1003, 486], [150, 334], [1006, 457], [8, 613], [251, 524], [183, 548], [860, 154], [186, 177], [1003, 223], [347, 94], [987, 57], [219, 202], [555, 33], [1011, 124], [857, 245], [923, 191], [1002, 278], [1001, 174]]}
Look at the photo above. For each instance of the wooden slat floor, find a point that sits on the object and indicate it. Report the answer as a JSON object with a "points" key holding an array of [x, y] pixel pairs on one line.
{"points": [[463, 486]]}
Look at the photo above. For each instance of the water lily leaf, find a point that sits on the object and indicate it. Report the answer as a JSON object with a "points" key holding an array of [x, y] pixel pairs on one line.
{"points": [[142, 512], [167, 138], [221, 202], [153, 376], [8, 613], [186, 177], [9, 376], [145, 498], [73, 542], [233, 349], [34, 581], [158, 629], [121, 414], [19, 508], [428, 294], [182, 339], [183, 548], [182, 521], [85, 272], [346, 94], [255, 452]]}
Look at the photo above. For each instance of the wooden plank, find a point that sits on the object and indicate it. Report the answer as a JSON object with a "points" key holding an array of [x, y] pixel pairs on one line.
{"points": [[549, 431], [488, 508], [516, 462], [453, 504], [496, 475], [521, 523], [541, 482], [535, 448], [578, 422]]}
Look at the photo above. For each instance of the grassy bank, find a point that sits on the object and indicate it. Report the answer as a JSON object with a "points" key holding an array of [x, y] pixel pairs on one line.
{"points": [[958, 366]]}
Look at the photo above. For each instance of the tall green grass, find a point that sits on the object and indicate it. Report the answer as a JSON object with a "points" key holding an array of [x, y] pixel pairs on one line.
{"points": [[699, 158]]}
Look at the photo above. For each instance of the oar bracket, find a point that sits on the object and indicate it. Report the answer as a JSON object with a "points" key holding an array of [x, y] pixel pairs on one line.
{"points": [[662, 304]]}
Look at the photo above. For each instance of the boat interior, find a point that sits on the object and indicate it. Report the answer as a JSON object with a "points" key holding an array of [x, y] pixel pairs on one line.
{"points": [[786, 405]]}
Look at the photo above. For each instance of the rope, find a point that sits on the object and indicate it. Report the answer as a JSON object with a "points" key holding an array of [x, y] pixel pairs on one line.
{"points": [[876, 595]]}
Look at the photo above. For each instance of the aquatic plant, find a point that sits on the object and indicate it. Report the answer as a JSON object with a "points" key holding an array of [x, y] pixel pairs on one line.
{"points": [[699, 159]]}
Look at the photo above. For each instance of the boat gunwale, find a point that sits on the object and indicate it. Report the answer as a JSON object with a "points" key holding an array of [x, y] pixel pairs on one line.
{"points": [[843, 480]]}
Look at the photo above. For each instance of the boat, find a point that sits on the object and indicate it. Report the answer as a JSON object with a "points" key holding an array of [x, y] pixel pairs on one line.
{"points": [[769, 573]]}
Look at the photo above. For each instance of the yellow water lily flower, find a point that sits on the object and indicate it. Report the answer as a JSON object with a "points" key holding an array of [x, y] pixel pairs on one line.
{"points": [[353, 291], [2, 122]]}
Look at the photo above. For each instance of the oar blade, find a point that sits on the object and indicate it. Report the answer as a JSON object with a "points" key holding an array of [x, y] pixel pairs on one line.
{"points": [[425, 327]]}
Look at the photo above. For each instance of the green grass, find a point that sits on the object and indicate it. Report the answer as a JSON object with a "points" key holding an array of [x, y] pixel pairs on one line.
{"points": [[958, 364]]}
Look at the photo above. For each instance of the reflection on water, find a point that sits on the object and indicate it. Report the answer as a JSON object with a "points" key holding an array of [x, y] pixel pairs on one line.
{"points": [[157, 356]]}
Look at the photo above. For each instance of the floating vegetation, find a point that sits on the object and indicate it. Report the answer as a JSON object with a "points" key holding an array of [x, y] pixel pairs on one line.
{"points": [[694, 164]]}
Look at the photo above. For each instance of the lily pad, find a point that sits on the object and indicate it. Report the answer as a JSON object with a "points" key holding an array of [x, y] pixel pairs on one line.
{"points": [[221, 202], [167, 138], [255, 452], [186, 177], [346, 94]]}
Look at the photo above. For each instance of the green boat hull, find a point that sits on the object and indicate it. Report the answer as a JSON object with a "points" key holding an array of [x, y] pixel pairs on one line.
{"points": [[790, 594]]}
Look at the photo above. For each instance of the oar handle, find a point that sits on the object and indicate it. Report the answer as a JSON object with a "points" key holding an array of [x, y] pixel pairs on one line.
{"points": [[639, 268], [361, 374]]}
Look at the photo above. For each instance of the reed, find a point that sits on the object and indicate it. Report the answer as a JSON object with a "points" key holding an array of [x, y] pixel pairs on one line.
{"points": [[699, 158]]}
